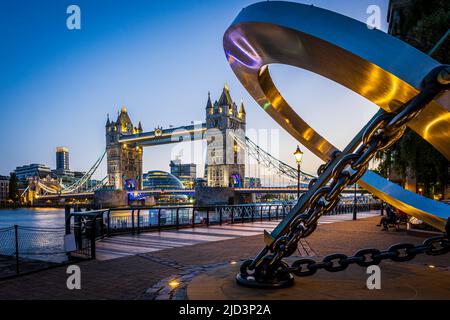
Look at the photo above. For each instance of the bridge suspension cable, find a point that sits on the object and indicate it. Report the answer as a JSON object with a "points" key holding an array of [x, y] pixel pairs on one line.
{"points": [[269, 161], [77, 185], [24, 192], [85, 178], [99, 185]]}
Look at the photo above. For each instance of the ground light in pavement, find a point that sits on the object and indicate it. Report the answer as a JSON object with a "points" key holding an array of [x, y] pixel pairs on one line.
{"points": [[174, 284]]}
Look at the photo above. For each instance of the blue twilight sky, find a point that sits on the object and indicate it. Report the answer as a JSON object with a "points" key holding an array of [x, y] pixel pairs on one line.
{"points": [[159, 58]]}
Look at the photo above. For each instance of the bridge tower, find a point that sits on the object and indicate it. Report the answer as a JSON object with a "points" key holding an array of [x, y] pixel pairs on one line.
{"points": [[124, 160], [225, 158]]}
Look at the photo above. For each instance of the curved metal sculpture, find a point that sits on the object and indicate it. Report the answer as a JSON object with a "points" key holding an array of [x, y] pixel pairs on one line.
{"points": [[409, 87]]}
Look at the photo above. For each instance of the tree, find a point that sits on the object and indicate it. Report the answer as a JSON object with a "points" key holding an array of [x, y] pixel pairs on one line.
{"points": [[13, 187], [422, 24], [413, 155]]}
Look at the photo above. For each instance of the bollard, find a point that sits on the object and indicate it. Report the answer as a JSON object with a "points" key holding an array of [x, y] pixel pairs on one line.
{"points": [[16, 232], [232, 215], [108, 226], [139, 221], [67, 218], [132, 221], [93, 227], [159, 219]]}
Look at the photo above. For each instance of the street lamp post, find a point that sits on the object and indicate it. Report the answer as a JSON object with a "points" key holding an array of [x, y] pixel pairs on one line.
{"points": [[298, 158], [354, 205]]}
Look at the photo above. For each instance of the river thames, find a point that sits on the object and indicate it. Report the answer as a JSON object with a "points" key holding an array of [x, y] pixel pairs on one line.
{"points": [[32, 217], [40, 236]]}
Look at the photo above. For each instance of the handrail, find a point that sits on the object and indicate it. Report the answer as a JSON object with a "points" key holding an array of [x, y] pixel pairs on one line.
{"points": [[88, 213], [198, 207]]}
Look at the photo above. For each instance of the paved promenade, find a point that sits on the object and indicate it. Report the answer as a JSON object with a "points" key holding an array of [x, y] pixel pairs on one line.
{"points": [[128, 245], [129, 277]]}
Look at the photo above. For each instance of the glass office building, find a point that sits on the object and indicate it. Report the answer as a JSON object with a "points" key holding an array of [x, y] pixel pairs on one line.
{"points": [[161, 180], [62, 159]]}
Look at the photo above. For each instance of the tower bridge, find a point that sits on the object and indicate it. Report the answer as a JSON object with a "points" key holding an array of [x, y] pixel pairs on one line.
{"points": [[228, 151], [225, 158], [161, 136]]}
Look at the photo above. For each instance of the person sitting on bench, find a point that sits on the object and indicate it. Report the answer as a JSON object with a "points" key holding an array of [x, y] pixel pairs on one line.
{"points": [[390, 218]]}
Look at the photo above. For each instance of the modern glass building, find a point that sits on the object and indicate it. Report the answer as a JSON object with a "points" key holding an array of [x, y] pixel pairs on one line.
{"points": [[187, 173], [32, 171], [62, 158], [183, 170], [161, 180]]}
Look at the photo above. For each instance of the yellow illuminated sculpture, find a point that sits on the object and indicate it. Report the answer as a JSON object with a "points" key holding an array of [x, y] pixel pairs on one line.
{"points": [[410, 88]]}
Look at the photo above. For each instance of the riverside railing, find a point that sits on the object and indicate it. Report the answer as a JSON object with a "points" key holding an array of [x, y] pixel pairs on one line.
{"points": [[28, 249], [88, 227]]}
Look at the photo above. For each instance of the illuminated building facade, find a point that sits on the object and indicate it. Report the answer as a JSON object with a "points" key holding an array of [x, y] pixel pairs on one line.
{"points": [[156, 179], [226, 160], [124, 161], [225, 122], [62, 171], [62, 158]]}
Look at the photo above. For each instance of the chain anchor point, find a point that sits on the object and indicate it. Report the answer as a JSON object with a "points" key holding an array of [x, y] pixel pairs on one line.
{"points": [[265, 275]]}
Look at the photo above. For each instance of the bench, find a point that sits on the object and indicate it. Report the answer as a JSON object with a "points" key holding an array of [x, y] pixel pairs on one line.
{"points": [[399, 221]]}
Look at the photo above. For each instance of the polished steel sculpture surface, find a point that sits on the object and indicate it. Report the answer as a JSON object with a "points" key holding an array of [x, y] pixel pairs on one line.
{"points": [[375, 65], [409, 87]]}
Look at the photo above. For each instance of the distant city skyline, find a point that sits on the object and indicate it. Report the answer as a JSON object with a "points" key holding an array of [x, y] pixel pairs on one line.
{"points": [[159, 59]]}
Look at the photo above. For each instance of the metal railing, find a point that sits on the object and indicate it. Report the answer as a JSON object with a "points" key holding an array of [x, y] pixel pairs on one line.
{"points": [[28, 249], [360, 207], [88, 227]]}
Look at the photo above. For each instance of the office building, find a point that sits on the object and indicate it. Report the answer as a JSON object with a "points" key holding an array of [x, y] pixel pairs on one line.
{"points": [[62, 158], [34, 170], [4, 188], [179, 170], [156, 179]]}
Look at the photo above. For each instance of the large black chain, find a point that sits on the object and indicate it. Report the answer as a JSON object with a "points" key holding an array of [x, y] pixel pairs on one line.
{"points": [[345, 168], [365, 257]]}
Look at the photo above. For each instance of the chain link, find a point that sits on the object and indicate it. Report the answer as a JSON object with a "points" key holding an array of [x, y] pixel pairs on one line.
{"points": [[380, 133], [347, 170], [399, 253]]}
